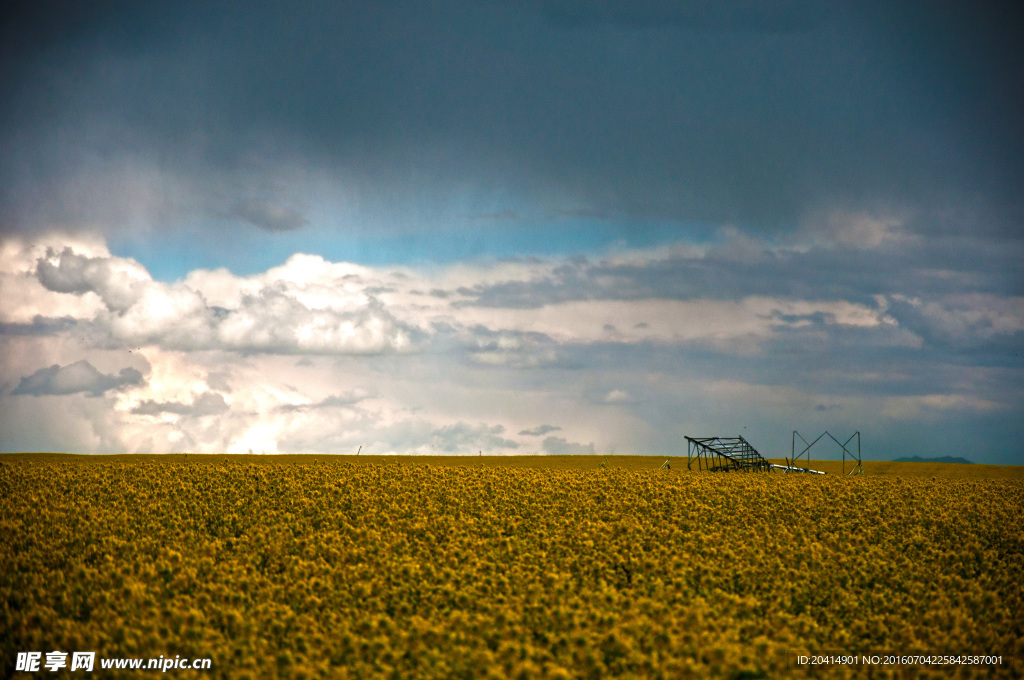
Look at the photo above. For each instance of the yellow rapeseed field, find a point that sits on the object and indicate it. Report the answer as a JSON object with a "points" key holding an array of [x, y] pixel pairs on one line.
{"points": [[332, 568]]}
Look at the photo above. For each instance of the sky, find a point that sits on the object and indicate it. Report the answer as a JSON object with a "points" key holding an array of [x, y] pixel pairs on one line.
{"points": [[548, 226]]}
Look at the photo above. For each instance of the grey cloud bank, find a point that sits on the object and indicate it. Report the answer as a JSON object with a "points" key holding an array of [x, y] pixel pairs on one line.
{"points": [[206, 404], [540, 430], [79, 377], [407, 115]]}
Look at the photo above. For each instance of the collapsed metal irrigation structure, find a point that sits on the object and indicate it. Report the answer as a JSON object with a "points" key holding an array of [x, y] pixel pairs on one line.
{"points": [[727, 454]]}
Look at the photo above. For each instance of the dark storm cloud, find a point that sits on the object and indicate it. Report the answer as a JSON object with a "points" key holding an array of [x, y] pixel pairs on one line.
{"points": [[539, 430], [847, 363], [346, 400], [206, 404], [268, 215], [71, 273], [560, 446], [40, 326], [510, 348], [930, 267], [80, 376], [755, 113], [463, 437], [741, 15]]}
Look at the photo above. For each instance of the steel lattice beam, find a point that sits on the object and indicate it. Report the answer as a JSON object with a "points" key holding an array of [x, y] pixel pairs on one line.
{"points": [[724, 454]]}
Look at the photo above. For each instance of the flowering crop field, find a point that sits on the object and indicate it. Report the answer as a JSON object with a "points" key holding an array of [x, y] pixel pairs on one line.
{"points": [[340, 568]]}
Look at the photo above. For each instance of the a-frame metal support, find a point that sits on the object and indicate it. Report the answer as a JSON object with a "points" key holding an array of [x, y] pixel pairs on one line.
{"points": [[847, 452]]}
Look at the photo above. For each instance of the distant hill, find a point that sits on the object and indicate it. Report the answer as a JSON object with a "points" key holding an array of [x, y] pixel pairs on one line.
{"points": [[943, 459]]}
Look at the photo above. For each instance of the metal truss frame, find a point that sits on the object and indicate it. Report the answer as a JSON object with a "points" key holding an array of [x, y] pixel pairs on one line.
{"points": [[856, 459], [724, 454]]}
